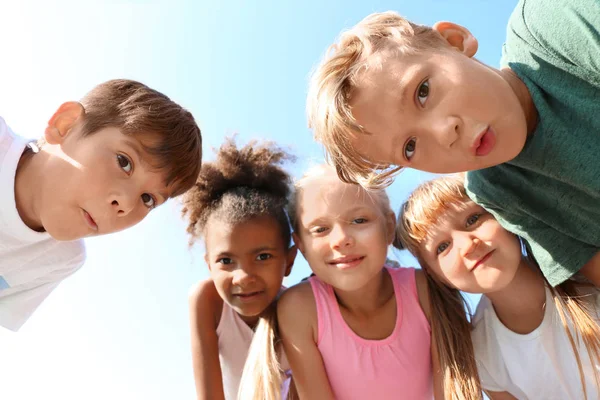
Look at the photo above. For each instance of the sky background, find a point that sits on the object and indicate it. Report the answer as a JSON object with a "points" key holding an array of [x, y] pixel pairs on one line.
{"points": [[118, 329]]}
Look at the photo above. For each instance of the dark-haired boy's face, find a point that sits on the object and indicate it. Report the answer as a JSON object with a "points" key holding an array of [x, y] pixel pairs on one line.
{"points": [[97, 184], [438, 111]]}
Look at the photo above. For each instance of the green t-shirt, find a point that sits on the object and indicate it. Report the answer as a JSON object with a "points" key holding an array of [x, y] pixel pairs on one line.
{"points": [[550, 193]]}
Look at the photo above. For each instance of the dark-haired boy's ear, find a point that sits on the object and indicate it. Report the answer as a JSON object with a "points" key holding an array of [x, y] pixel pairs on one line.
{"points": [[458, 37], [291, 256], [298, 242], [63, 120]]}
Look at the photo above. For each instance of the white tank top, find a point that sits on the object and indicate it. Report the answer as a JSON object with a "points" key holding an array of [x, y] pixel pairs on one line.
{"points": [[234, 342]]}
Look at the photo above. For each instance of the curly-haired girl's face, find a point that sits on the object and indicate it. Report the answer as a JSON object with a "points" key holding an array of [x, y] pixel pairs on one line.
{"points": [[248, 261]]}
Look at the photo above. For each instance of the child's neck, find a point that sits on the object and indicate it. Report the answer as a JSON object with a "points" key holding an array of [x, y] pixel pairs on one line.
{"points": [[370, 297], [28, 179], [524, 97], [520, 305]]}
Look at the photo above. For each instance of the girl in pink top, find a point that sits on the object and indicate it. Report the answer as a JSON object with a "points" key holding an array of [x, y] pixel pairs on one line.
{"points": [[357, 330]]}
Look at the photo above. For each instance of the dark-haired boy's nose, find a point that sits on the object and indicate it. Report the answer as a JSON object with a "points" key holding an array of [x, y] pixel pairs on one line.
{"points": [[123, 205]]}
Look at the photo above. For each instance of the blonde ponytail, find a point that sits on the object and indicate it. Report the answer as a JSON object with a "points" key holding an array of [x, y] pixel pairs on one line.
{"points": [[262, 377]]}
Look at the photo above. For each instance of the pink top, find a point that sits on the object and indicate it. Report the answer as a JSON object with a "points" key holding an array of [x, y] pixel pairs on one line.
{"points": [[398, 366]]}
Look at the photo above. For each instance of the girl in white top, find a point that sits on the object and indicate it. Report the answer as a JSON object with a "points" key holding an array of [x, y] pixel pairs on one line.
{"points": [[530, 341], [238, 207]]}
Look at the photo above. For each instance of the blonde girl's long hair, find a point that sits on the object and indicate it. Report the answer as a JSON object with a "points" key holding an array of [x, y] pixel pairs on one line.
{"points": [[262, 378], [450, 324]]}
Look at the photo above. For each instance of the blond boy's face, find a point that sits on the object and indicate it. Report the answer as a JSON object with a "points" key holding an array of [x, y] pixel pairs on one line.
{"points": [[438, 111], [97, 184]]}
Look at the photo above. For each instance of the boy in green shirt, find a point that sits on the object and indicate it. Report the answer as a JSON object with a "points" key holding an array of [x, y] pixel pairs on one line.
{"points": [[393, 94]]}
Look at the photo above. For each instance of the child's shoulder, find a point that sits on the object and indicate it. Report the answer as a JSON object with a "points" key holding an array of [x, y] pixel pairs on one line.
{"points": [[297, 296], [422, 292], [297, 310], [204, 300]]}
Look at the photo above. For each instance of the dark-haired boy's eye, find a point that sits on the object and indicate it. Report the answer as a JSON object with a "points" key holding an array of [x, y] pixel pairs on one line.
{"points": [[124, 163], [423, 92], [148, 200], [263, 256], [409, 148]]}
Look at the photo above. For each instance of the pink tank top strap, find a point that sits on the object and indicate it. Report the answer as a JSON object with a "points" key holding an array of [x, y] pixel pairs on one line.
{"points": [[407, 296], [325, 312]]}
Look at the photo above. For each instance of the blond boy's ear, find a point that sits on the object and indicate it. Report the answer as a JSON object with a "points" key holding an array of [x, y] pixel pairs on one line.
{"points": [[458, 37], [63, 120]]}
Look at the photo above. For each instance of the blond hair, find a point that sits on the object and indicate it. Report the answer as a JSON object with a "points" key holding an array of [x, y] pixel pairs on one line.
{"points": [[263, 375], [450, 324], [335, 78]]}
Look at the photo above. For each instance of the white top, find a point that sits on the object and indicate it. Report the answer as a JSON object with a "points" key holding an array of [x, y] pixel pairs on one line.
{"points": [[235, 338], [538, 365], [32, 263]]}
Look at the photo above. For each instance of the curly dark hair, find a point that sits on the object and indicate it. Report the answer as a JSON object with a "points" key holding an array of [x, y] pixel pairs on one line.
{"points": [[241, 184]]}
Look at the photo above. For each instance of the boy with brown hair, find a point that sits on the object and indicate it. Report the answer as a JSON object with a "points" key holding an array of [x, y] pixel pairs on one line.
{"points": [[393, 94], [101, 166]]}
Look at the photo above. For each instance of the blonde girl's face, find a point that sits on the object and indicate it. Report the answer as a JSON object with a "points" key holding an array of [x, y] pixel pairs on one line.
{"points": [[468, 249], [343, 232], [247, 263]]}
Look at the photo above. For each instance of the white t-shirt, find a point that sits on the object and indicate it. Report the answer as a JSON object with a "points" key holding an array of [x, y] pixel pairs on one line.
{"points": [[538, 365], [32, 263]]}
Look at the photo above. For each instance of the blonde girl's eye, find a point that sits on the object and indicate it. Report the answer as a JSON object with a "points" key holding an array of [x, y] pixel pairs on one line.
{"points": [[124, 163], [410, 147], [319, 229], [423, 92]]}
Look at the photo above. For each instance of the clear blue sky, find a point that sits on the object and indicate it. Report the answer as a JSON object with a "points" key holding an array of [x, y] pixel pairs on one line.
{"points": [[118, 328]]}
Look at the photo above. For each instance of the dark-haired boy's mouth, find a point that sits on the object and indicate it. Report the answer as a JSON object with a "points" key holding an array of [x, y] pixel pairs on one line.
{"points": [[89, 220]]}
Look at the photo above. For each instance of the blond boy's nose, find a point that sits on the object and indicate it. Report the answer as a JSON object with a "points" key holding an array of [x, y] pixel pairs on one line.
{"points": [[447, 132]]}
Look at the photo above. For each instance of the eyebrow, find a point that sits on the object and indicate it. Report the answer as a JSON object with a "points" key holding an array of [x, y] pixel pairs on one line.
{"points": [[136, 149], [226, 253]]}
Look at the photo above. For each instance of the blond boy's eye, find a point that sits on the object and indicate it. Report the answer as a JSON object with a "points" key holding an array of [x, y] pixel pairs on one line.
{"points": [[409, 148], [423, 92]]}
